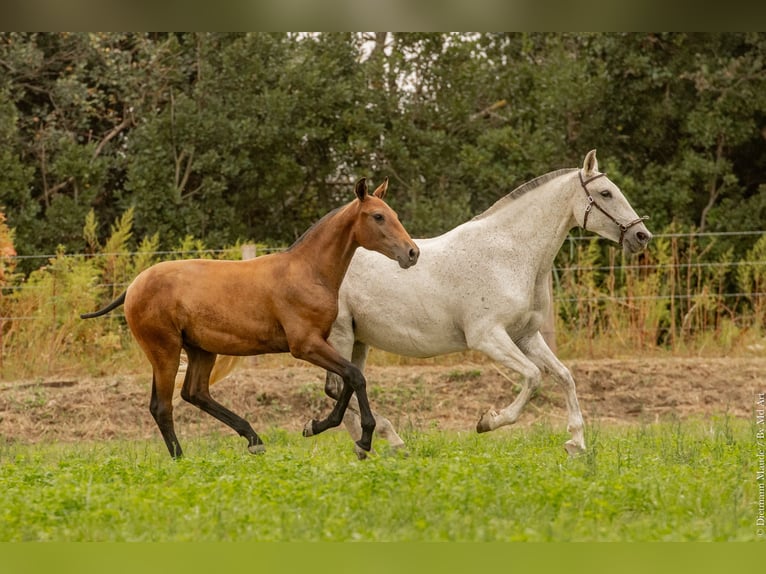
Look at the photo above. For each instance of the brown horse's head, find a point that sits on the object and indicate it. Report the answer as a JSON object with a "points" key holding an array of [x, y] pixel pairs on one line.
{"points": [[378, 227]]}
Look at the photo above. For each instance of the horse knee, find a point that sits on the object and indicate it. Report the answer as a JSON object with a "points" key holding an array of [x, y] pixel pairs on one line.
{"points": [[355, 378], [358, 384]]}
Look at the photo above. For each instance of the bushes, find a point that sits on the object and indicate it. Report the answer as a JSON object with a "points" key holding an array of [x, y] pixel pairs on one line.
{"points": [[688, 293], [42, 333]]}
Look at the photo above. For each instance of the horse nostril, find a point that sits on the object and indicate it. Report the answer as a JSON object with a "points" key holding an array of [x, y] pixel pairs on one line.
{"points": [[643, 237], [414, 254]]}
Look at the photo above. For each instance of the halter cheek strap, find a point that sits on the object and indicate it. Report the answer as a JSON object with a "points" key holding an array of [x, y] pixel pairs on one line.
{"points": [[593, 203]]}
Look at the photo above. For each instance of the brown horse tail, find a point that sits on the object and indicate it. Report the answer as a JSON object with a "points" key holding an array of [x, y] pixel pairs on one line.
{"points": [[113, 305]]}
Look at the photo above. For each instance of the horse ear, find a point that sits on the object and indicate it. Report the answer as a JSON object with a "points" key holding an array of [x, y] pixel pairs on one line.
{"points": [[361, 188], [380, 192], [590, 165]]}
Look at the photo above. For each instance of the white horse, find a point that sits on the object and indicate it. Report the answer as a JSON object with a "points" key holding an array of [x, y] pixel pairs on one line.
{"points": [[484, 286]]}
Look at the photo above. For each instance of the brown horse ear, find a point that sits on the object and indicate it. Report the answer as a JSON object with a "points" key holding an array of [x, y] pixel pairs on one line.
{"points": [[380, 192], [361, 188]]}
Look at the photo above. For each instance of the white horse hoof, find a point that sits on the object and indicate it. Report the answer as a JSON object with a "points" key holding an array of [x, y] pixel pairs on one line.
{"points": [[308, 430], [256, 448], [484, 424], [573, 448]]}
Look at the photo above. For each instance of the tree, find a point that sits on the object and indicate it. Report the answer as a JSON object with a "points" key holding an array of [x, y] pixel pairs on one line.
{"points": [[15, 183], [685, 113], [230, 137], [76, 96]]}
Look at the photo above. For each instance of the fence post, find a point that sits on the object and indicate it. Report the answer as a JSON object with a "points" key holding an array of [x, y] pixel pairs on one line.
{"points": [[248, 251]]}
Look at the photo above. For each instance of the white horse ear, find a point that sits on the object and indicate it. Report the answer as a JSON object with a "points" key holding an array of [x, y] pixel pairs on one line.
{"points": [[380, 192], [361, 188], [590, 165]]}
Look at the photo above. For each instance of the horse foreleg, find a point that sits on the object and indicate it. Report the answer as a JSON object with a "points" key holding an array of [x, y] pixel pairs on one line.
{"points": [[319, 352], [196, 390], [539, 352], [352, 421], [343, 341]]}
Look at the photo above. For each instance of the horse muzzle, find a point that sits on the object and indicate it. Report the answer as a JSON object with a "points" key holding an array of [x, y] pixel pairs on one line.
{"points": [[409, 257], [636, 239]]}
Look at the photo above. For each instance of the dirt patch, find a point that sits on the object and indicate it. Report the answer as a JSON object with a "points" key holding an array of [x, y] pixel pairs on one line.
{"points": [[412, 397]]}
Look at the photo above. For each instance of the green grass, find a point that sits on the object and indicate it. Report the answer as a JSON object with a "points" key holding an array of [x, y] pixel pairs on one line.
{"points": [[669, 481]]}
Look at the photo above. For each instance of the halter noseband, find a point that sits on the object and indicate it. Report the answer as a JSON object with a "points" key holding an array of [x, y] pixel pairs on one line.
{"points": [[592, 203]]}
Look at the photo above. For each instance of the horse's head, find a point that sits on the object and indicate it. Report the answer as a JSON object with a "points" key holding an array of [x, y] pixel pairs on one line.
{"points": [[601, 207], [378, 228]]}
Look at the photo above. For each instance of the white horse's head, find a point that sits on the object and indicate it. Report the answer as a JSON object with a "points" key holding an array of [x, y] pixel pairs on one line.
{"points": [[601, 207]]}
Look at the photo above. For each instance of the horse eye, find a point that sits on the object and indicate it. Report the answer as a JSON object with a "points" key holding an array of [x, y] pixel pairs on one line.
{"points": [[606, 193], [378, 217]]}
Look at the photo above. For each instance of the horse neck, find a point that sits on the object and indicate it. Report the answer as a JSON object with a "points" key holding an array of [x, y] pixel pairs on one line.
{"points": [[540, 219], [328, 246]]}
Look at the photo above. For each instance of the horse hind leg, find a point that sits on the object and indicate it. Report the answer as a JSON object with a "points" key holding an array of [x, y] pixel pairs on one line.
{"points": [[196, 390], [499, 346], [161, 403]]}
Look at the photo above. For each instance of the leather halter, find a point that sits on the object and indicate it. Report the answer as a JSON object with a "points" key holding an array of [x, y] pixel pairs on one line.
{"points": [[592, 203]]}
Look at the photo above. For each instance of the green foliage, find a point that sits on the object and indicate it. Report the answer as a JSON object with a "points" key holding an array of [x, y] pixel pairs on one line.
{"points": [[44, 326], [637, 483], [115, 263], [234, 137], [42, 333], [15, 196]]}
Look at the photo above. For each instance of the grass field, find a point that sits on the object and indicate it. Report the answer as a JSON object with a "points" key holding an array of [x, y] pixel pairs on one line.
{"points": [[678, 481]]}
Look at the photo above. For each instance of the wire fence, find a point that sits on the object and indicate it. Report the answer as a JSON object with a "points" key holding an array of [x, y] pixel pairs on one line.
{"points": [[265, 249], [688, 292], [559, 295]]}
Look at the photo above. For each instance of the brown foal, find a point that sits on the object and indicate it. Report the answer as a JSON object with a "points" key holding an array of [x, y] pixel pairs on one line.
{"points": [[271, 304]]}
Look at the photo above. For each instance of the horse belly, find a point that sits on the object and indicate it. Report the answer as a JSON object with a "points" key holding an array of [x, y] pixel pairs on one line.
{"points": [[245, 335], [411, 337]]}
